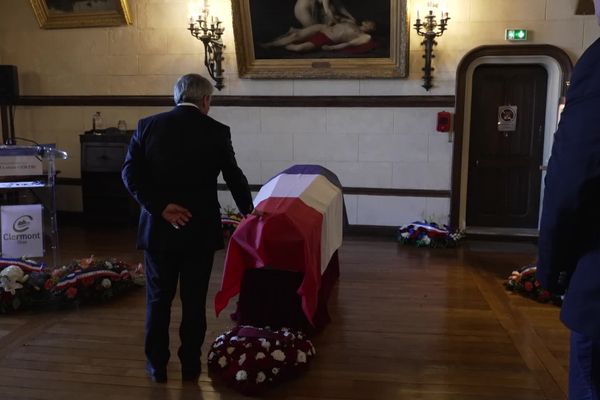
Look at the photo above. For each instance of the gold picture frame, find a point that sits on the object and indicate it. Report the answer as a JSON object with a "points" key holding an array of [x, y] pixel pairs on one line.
{"points": [[254, 21], [59, 14]]}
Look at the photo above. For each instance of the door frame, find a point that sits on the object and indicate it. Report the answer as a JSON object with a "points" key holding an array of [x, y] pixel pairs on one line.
{"points": [[558, 65]]}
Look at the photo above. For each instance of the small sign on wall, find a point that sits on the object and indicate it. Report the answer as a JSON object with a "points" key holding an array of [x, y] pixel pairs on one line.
{"points": [[22, 231], [515, 35], [507, 118]]}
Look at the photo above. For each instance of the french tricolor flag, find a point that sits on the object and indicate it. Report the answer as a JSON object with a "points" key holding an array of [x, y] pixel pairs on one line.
{"points": [[300, 229]]}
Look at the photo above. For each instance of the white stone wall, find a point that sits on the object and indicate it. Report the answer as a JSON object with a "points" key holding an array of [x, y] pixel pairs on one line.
{"points": [[366, 147]]}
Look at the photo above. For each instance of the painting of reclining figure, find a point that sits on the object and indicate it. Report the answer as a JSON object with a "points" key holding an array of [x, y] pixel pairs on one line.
{"points": [[321, 38]]}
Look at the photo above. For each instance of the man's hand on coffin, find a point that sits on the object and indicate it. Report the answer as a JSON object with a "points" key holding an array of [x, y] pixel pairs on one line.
{"points": [[176, 215]]}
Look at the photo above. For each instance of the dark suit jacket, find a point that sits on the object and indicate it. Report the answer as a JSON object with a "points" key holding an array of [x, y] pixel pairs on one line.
{"points": [[570, 226], [176, 157]]}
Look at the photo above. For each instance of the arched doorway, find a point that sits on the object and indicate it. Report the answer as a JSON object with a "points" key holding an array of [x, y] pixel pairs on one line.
{"points": [[507, 165]]}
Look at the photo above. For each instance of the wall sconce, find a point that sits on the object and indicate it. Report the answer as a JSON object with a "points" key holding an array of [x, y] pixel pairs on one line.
{"points": [[210, 35], [429, 33]]}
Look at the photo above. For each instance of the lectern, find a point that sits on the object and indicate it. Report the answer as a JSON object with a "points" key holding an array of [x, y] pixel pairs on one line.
{"points": [[27, 183]]}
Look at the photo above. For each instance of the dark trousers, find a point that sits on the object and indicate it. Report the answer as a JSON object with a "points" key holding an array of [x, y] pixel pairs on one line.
{"points": [[163, 272], [584, 368]]}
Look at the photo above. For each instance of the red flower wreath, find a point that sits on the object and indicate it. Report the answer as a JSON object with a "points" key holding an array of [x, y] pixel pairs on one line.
{"points": [[252, 359]]}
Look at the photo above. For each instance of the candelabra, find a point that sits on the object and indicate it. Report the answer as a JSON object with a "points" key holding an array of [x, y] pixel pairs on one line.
{"points": [[431, 30], [210, 35]]}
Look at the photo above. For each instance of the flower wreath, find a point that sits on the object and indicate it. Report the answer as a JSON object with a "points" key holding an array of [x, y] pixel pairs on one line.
{"points": [[89, 279], [21, 284], [251, 359], [25, 283], [428, 234], [523, 281], [230, 221]]}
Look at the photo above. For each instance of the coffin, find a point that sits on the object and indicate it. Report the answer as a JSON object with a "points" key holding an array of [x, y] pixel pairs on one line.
{"points": [[299, 230]]}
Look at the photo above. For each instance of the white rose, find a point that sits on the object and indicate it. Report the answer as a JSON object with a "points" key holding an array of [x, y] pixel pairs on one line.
{"points": [[275, 371], [405, 234], [230, 350], [222, 362], [260, 355], [242, 359], [260, 377], [266, 345], [106, 283], [241, 375], [301, 357], [278, 355]]}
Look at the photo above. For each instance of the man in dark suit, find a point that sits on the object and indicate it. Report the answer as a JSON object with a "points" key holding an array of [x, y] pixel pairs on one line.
{"points": [[171, 170], [569, 244]]}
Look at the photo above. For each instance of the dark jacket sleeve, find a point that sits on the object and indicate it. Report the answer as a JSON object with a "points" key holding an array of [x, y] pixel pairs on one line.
{"points": [[571, 211], [134, 176], [234, 177]]}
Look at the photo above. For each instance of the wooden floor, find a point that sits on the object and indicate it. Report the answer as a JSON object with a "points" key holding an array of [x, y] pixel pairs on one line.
{"points": [[407, 324]]}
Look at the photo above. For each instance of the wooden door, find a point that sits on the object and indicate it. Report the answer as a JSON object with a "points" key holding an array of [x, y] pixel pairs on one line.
{"points": [[506, 145]]}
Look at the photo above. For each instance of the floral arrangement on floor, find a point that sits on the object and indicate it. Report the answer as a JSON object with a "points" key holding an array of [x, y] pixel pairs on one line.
{"points": [[25, 283], [523, 281], [429, 234], [230, 219], [251, 359], [22, 284]]}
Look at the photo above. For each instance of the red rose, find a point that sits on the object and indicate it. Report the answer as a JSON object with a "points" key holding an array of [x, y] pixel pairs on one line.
{"points": [[88, 281], [49, 284], [71, 292], [528, 286]]}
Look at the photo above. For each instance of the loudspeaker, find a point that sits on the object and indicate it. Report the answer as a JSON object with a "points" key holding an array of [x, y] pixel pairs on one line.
{"points": [[9, 84]]}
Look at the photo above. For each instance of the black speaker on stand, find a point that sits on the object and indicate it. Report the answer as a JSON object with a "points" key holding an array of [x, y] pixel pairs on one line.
{"points": [[9, 96]]}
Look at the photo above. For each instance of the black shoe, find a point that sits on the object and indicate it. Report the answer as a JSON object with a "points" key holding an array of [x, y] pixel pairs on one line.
{"points": [[157, 375]]}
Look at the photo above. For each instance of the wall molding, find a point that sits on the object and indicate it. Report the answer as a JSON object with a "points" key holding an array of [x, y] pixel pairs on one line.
{"points": [[359, 191], [243, 101]]}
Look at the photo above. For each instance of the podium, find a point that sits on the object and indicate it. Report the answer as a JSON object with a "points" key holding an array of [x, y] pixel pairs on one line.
{"points": [[283, 262], [27, 180]]}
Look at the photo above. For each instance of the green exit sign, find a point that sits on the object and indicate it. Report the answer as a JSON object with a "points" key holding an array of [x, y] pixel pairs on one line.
{"points": [[516, 34]]}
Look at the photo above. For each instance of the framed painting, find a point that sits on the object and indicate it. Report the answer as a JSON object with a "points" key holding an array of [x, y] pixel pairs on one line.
{"points": [[291, 39], [58, 14]]}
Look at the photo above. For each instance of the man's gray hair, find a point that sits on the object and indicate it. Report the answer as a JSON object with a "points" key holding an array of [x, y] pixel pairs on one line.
{"points": [[191, 88]]}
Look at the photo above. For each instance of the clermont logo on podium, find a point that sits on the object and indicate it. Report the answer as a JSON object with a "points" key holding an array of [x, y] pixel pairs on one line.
{"points": [[22, 231]]}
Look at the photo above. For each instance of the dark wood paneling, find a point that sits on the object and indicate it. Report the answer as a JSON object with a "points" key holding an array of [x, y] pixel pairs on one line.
{"points": [[244, 101], [396, 192], [362, 191], [347, 190]]}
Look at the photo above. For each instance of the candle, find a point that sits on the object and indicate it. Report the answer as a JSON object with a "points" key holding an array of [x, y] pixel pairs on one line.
{"points": [[418, 15]]}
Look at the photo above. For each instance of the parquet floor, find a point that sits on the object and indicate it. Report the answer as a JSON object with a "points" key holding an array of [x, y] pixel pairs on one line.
{"points": [[407, 324]]}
